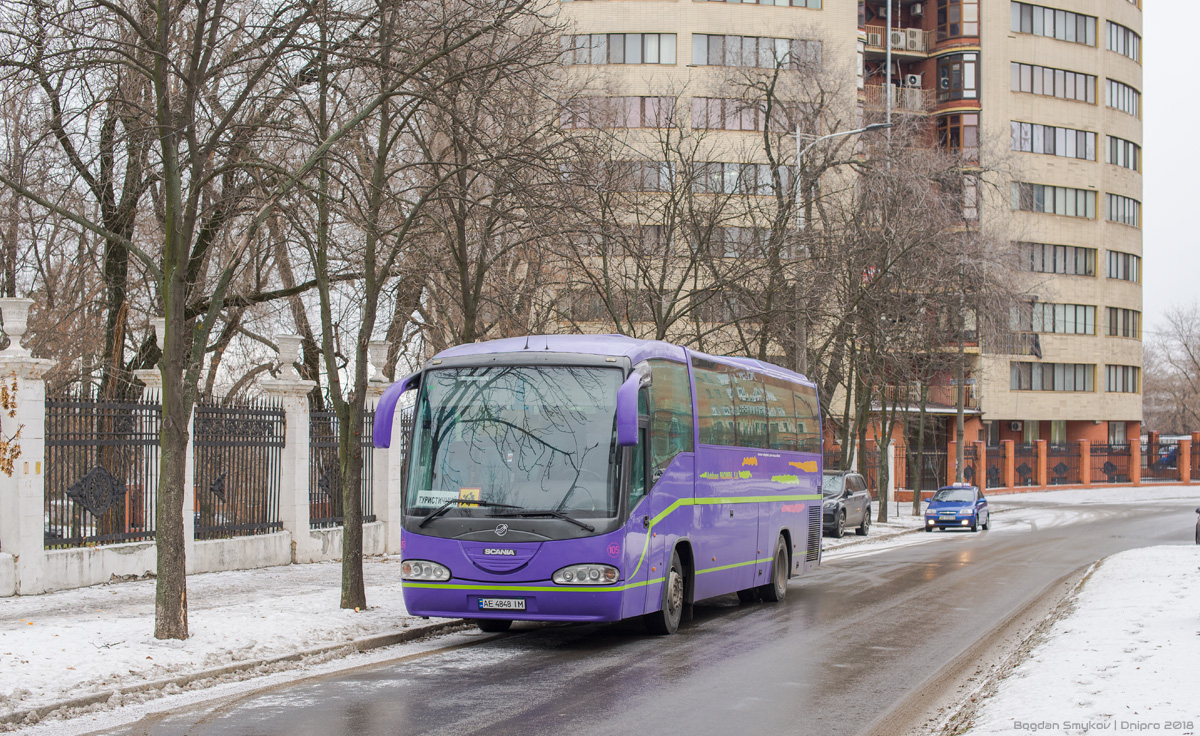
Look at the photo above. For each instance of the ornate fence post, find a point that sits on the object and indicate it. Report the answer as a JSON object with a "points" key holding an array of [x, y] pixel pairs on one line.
{"points": [[1085, 462], [292, 393], [1183, 461], [23, 494]]}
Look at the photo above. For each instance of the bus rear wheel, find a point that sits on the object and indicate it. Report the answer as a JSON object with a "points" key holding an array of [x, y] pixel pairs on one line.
{"points": [[493, 625], [774, 591], [666, 619]]}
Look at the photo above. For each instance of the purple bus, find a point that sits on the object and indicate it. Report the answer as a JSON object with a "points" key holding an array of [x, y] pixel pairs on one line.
{"points": [[599, 477]]}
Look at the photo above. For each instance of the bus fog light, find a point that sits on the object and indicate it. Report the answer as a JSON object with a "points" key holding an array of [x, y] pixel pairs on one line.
{"points": [[586, 575], [423, 570]]}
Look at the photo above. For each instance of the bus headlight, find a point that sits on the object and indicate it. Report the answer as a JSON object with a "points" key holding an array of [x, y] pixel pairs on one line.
{"points": [[586, 575], [423, 570]]}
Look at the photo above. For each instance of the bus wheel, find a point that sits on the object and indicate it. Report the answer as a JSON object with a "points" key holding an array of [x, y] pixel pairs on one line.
{"points": [[666, 619], [493, 625], [774, 591]]}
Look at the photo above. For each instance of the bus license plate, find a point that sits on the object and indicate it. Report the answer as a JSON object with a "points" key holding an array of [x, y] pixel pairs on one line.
{"points": [[502, 604]]}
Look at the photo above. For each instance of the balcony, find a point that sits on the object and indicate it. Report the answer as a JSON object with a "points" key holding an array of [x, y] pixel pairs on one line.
{"points": [[905, 41], [904, 99]]}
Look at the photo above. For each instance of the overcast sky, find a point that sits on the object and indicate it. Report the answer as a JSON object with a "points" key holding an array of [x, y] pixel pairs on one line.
{"points": [[1171, 194]]}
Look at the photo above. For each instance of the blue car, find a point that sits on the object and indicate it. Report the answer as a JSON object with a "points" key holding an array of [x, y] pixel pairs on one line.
{"points": [[957, 506]]}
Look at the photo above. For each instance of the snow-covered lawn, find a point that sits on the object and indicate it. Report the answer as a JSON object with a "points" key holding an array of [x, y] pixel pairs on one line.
{"points": [[71, 643], [1125, 660]]}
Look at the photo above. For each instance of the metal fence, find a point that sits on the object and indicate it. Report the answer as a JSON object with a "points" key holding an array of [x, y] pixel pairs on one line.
{"points": [[1110, 463], [971, 470], [994, 472], [1196, 461], [324, 471], [833, 460], [238, 449], [933, 467], [1062, 464], [1025, 461], [869, 467], [1160, 462], [101, 470]]}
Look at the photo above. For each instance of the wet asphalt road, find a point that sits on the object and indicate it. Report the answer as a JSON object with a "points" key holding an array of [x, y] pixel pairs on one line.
{"points": [[851, 640]]}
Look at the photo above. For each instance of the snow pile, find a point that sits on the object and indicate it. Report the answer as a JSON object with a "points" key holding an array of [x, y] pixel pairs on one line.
{"points": [[73, 643], [1125, 660]]}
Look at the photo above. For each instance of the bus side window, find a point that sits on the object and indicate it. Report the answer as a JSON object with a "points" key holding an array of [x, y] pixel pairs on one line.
{"points": [[670, 409], [637, 472]]}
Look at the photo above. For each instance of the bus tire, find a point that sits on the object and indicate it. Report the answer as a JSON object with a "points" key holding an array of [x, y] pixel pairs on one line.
{"points": [[774, 591], [666, 619], [493, 625]]}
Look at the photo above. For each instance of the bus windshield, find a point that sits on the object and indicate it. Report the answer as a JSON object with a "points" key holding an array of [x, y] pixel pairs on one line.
{"points": [[534, 438]]}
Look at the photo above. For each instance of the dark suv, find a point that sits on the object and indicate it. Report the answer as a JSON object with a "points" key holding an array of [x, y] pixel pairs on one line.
{"points": [[846, 502]]}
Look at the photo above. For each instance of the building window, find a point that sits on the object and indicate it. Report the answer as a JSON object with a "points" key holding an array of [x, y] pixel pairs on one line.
{"points": [[1125, 210], [1120, 96], [1061, 24], [1069, 260], [720, 113], [957, 79], [960, 134], [1053, 200], [1050, 82], [1053, 141], [1116, 433], [1122, 379], [957, 18], [1056, 319], [1124, 322], [1124, 41], [738, 178], [754, 51], [1025, 376], [620, 48], [1124, 266], [619, 112], [645, 176], [1126, 154], [812, 4]]}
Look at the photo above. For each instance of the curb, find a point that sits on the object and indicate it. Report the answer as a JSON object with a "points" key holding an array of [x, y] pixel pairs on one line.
{"points": [[351, 647]]}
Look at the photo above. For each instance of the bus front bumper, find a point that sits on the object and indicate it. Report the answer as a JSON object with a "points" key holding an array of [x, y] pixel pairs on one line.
{"points": [[530, 602]]}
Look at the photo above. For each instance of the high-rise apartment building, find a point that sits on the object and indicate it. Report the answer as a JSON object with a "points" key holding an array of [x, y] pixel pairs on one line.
{"points": [[1046, 94]]}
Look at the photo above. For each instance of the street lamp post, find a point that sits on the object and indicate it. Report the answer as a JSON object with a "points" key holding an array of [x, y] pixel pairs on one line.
{"points": [[801, 328]]}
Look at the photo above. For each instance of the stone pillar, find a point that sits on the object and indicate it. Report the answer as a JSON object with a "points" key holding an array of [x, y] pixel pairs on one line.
{"points": [[292, 393], [1008, 473], [23, 494], [1085, 462], [1183, 461], [1135, 462], [387, 491], [1043, 479], [891, 466]]}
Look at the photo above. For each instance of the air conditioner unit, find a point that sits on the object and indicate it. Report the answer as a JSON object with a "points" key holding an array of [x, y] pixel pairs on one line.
{"points": [[917, 9], [916, 39], [899, 40], [913, 80], [1015, 426]]}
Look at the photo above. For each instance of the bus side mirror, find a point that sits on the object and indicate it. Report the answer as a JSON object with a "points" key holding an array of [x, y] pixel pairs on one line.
{"points": [[627, 411], [385, 410]]}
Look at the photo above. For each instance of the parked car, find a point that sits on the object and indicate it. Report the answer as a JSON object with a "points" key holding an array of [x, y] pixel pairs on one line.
{"points": [[956, 506], [1197, 526], [846, 502]]}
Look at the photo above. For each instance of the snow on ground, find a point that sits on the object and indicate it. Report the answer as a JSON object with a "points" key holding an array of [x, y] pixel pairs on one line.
{"points": [[1150, 493], [74, 642], [1125, 660]]}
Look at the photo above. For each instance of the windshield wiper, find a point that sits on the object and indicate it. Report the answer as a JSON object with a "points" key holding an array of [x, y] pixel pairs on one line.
{"points": [[550, 512], [459, 502]]}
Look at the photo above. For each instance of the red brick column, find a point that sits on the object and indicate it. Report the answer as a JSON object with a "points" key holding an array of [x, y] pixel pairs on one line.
{"points": [[1085, 462], [951, 462], [1183, 461], [1009, 474], [1043, 479], [1135, 462]]}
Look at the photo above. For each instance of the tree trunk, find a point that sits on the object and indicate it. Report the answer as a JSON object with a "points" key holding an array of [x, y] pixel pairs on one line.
{"points": [[350, 457], [170, 597]]}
